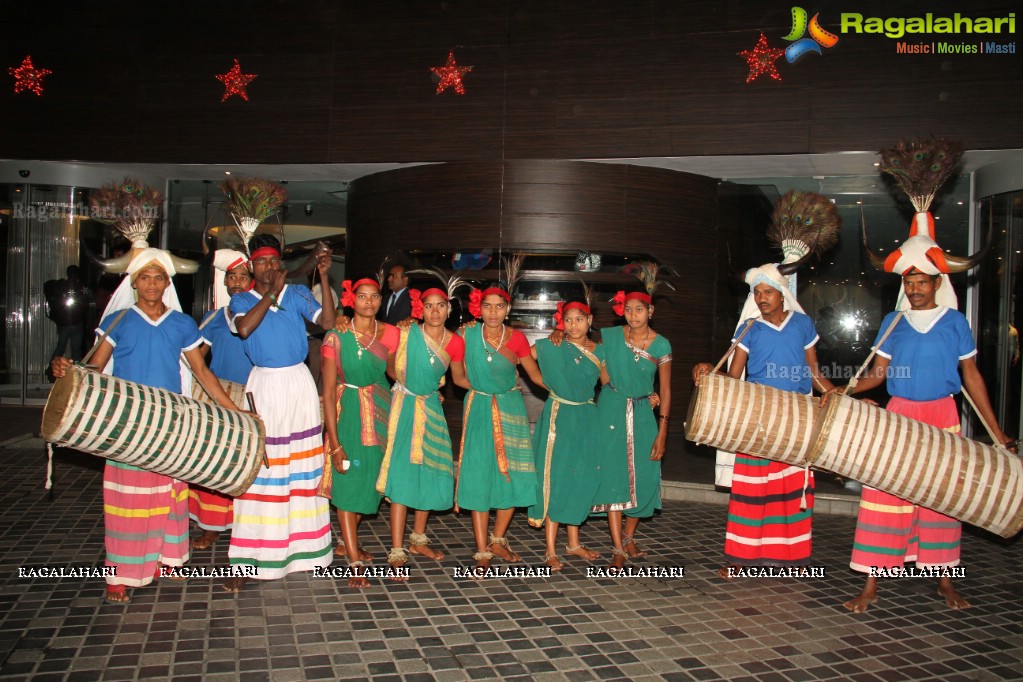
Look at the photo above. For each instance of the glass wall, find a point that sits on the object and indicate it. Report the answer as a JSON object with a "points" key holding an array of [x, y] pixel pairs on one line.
{"points": [[41, 229], [1000, 308]]}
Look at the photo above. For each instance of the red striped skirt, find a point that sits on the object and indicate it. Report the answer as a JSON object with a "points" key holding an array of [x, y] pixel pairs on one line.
{"points": [[891, 531], [209, 510], [766, 526]]}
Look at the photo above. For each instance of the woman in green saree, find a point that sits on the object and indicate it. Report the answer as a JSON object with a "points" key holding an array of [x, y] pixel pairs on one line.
{"points": [[496, 468], [632, 439], [417, 470], [356, 404], [564, 441]]}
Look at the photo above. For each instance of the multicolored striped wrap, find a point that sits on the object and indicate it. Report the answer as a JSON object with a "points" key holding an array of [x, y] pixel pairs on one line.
{"points": [[155, 429], [969, 481]]}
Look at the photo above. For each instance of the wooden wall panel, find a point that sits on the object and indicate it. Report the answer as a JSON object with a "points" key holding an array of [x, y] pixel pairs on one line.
{"points": [[349, 82], [557, 206]]}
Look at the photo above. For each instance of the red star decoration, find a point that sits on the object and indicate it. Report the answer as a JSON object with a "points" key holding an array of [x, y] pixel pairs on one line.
{"points": [[450, 75], [28, 77], [235, 81], [761, 60]]}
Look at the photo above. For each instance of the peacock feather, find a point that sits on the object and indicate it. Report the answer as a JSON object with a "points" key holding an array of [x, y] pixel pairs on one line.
{"points": [[512, 268], [129, 205], [920, 167], [255, 198], [803, 223]]}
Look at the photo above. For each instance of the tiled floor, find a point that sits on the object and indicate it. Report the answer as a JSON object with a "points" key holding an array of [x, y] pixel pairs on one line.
{"points": [[437, 627]]}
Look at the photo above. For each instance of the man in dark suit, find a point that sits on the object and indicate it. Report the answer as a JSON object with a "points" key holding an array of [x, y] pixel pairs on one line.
{"points": [[398, 305]]}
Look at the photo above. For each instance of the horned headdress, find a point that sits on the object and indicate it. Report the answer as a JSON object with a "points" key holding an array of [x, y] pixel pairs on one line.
{"points": [[132, 208], [919, 168]]}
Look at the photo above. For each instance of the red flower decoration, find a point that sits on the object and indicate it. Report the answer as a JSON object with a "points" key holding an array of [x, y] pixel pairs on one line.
{"points": [[559, 320], [476, 303], [619, 303], [417, 303], [347, 295]]}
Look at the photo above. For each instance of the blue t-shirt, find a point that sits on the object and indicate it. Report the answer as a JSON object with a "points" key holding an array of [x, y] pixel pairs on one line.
{"points": [[229, 359], [925, 366], [279, 340], [777, 355], [147, 351]]}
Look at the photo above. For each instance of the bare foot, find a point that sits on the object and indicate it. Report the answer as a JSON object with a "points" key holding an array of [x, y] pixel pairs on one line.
{"points": [[425, 551], [482, 564], [235, 584], [342, 551], [727, 572], [358, 581], [952, 598], [502, 550], [118, 595], [633, 550], [554, 562], [860, 603], [583, 552], [206, 540], [618, 559]]}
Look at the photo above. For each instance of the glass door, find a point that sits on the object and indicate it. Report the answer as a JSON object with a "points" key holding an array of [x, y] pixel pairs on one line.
{"points": [[40, 236]]}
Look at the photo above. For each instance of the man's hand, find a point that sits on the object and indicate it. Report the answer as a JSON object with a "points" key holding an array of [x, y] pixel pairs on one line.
{"points": [[58, 367], [700, 370]]}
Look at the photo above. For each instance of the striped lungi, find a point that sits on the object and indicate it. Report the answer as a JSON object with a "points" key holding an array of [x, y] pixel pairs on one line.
{"points": [[766, 526], [891, 531], [146, 523]]}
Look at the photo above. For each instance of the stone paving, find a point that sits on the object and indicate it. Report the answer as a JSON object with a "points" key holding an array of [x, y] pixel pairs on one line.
{"points": [[440, 627]]}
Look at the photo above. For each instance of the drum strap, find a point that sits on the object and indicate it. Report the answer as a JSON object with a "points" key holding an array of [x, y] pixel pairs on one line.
{"points": [[104, 335], [735, 343], [852, 383]]}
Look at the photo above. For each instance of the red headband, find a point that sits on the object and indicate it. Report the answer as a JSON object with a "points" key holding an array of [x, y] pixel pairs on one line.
{"points": [[559, 317], [264, 251], [348, 290], [477, 296], [434, 291], [621, 297]]}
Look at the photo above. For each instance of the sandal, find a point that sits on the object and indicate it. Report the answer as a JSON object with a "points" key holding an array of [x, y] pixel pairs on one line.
{"points": [[117, 594]]}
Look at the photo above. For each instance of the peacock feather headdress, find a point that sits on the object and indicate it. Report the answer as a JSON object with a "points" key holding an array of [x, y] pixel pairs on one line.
{"points": [[920, 167], [130, 206], [803, 223]]}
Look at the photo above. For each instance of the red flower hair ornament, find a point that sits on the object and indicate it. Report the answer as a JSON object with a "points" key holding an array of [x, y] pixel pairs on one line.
{"points": [[559, 316], [417, 303], [476, 303], [619, 303], [347, 295]]}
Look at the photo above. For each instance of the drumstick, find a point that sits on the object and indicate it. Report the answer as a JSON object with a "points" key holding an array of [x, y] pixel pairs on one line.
{"points": [[252, 407]]}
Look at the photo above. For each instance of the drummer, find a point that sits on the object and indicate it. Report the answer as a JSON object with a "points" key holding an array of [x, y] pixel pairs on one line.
{"points": [[145, 513], [280, 524], [918, 361], [770, 510], [211, 511]]}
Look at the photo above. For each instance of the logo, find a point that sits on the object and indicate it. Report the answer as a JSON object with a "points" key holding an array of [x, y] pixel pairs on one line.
{"points": [[801, 45]]}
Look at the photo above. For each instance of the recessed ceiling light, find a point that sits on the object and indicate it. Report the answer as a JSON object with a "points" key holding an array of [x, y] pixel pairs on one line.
{"points": [[227, 172]]}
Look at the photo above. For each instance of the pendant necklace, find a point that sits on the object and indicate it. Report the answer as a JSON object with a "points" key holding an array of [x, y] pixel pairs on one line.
{"points": [[443, 338], [582, 349], [635, 353], [359, 343], [486, 346]]}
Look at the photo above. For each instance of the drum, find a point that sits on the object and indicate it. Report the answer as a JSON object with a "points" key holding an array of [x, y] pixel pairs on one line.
{"points": [[156, 430], [234, 391], [920, 463], [738, 416]]}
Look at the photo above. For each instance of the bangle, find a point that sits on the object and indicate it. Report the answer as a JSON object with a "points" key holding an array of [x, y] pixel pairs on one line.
{"points": [[662, 418]]}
